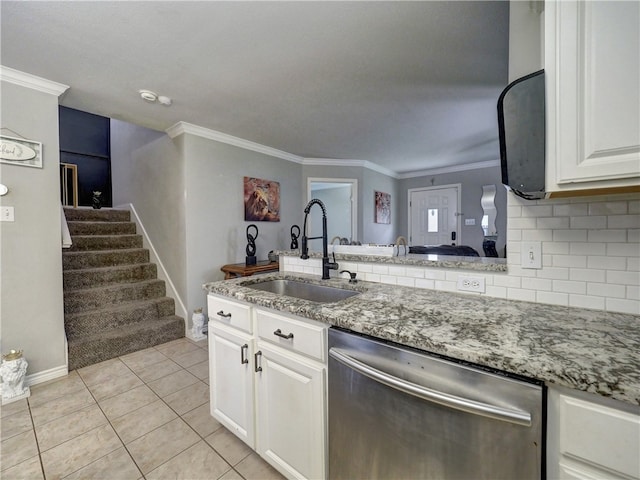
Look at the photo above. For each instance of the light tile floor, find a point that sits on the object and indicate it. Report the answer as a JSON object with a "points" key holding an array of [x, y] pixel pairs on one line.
{"points": [[143, 415]]}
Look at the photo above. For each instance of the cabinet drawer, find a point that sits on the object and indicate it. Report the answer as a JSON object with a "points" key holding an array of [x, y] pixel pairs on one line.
{"points": [[306, 338], [229, 313]]}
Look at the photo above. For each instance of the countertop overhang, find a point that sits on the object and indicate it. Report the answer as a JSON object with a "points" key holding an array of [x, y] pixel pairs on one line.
{"points": [[589, 350]]}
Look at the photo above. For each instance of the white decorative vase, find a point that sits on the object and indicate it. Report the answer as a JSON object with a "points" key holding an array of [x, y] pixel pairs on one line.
{"points": [[197, 319], [13, 372]]}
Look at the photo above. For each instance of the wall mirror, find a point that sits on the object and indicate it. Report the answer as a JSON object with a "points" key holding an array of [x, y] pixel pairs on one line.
{"points": [[339, 197], [489, 208]]}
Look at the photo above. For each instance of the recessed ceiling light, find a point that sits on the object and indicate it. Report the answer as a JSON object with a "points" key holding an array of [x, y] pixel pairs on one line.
{"points": [[148, 95]]}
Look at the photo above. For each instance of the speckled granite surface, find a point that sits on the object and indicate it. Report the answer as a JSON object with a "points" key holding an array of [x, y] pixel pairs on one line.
{"points": [[440, 261], [589, 350]]}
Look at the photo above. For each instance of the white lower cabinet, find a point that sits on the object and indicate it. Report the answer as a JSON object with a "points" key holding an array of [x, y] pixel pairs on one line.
{"points": [[268, 384], [590, 437]]}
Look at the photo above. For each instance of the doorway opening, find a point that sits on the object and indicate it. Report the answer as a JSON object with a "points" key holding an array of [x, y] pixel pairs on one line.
{"points": [[339, 196]]}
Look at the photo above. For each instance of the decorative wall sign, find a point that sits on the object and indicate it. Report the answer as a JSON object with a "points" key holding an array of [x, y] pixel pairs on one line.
{"points": [[383, 207], [261, 200], [18, 151]]}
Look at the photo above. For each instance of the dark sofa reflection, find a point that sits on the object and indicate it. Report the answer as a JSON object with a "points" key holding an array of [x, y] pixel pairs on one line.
{"points": [[458, 250]]}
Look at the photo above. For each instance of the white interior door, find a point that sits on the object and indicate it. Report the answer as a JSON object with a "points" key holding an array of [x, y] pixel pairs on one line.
{"points": [[433, 216]]}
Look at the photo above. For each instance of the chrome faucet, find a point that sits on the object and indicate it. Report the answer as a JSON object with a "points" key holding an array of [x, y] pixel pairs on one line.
{"points": [[326, 263]]}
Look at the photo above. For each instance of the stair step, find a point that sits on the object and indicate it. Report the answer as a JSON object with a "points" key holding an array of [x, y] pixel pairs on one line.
{"points": [[97, 215], [103, 258], [116, 316], [101, 228], [95, 277], [104, 345], [105, 242], [95, 298]]}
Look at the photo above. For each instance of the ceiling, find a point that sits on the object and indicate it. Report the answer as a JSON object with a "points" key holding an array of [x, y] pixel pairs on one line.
{"points": [[408, 86]]}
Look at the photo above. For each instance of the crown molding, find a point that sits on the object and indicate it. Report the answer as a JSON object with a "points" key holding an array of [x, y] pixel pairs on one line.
{"points": [[334, 162], [11, 75], [181, 128], [452, 169]]}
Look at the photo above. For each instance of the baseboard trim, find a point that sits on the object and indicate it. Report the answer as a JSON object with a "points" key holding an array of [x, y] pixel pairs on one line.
{"points": [[46, 375], [162, 272]]}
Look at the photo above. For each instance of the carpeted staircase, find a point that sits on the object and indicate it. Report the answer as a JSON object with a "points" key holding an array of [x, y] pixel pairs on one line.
{"points": [[113, 302]]}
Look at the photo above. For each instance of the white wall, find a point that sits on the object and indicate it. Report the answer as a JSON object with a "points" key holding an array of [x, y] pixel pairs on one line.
{"points": [[525, 38], [31, 305]]}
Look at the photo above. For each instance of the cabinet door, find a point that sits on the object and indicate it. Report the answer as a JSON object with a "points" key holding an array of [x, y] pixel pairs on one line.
{"points": [[290, 411], [231, 381], [592, 63]]}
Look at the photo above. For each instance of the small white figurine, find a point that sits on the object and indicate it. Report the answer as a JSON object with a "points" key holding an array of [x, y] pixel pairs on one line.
{"points": [[13, 371], [198, 319]]}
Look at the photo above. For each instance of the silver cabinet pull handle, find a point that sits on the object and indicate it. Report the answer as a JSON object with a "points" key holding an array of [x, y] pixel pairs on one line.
{"points": [[258, 363], [243, 350], [452, 401], [225, 315], [278, 333]]}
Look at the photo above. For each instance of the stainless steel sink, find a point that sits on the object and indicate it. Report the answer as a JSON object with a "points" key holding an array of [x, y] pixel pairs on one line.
{"points": [[305, 291]]}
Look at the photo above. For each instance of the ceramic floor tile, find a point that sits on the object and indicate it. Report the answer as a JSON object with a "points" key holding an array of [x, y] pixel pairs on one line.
{"points": [[190, 358], [14, 424], [14, 407], [162, 444], [30, 469], [103, 371], [230, 447], [203, 344], [197, 462], [140, 422], [17, 449], [200, 370], [80, 451], [172, 383], [59, 407], [115, 386], [59, 387], [65, 428], [188, 398], [231, 475], [159, 370], [114, 407], [116, 465], [201, 420], [255, 468], [177, 347], [144, 358]]}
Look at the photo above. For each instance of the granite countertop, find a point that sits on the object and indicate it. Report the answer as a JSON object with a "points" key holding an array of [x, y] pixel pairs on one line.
{"points": [[486, 264], [589, 350]]}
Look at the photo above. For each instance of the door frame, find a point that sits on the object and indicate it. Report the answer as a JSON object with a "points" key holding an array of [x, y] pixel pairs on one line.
{"points": [[354, 197], [458, 214]]}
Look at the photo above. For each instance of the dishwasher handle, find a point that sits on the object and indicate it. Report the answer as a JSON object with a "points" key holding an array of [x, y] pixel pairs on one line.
{"points": [[518, 417]]}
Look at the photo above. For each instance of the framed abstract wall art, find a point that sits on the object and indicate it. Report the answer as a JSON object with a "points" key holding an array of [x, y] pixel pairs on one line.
{"points": [[382, 207]]}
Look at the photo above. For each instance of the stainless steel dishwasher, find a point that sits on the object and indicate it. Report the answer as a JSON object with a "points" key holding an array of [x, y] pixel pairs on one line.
{"points": [[397, 413]]}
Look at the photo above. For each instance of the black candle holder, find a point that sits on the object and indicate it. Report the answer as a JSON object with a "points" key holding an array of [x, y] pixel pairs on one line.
{"points": [[251, 246]]}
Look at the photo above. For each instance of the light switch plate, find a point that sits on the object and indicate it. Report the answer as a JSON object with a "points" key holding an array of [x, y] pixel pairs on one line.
{"points": [[531, 255], [6, 214]]}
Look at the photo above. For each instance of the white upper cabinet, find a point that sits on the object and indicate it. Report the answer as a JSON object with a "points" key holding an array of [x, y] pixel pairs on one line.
{"points": [[592, 65]]}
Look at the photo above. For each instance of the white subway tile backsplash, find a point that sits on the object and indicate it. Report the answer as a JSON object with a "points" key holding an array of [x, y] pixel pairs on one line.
{"points": [[507, 281], [446, 286], [537, 235], [381, 269], [434, 274], [607, 236], [424, 283], [606, 263], [608, 208], [406, 281], [519, 294], [588, 222], [623, 278], [570, 261], [389, 279], [415, 272], [633, 236], [569, 235], [553, 223], [625, 306], [633, 264], [365, 267], [587, 275], [541, 284], [570, 209], [372, 277], [554, 298], [397, 271], [585, 301], [624, 221], [570, 286], [623, 249], [586, 248], [497, 292], [633, 292], [634, 206], [514, 235], [537, 210], [522, 223], [606, 290], [556, 248], [554, 273]]}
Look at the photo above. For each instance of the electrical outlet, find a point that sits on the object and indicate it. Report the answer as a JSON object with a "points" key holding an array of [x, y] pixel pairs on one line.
{"points": [[469, 221], [6, 214], [471, 284], [531, 255]]}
